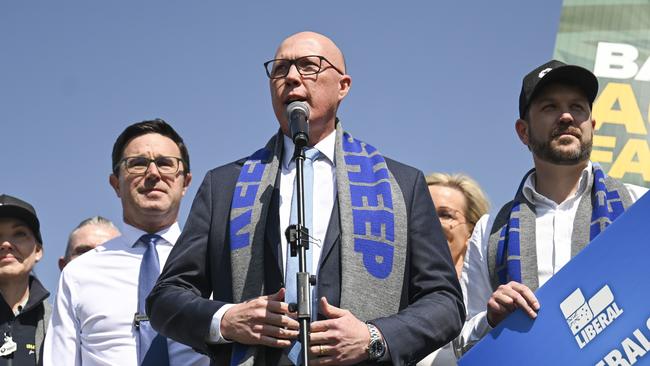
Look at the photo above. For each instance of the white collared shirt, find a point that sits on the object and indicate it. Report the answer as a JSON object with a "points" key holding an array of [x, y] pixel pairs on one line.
{"points": [[324, 195], [92, 317], [554, 225], [553, 231]]}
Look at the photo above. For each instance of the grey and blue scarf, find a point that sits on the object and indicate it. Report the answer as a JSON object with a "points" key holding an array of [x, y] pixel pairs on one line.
{"points": [[512, 250], [373, 225]]}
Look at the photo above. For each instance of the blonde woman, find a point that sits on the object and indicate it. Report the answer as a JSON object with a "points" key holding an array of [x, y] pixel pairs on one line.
{"points": [[460, 203]]}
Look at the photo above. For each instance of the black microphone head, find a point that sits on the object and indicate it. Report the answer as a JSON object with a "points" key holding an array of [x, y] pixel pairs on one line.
{"points": [[298, 116], [298, 106]]}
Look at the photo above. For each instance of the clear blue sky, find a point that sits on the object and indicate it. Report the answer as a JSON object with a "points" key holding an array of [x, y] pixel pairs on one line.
{"points": [[435, 84]]}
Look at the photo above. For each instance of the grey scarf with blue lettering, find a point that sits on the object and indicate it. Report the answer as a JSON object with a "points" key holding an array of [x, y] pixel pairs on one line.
{"points": [[512, 249], [373, 230]]}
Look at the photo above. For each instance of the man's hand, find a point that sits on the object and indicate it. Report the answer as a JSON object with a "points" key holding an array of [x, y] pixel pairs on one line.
{"points": [[342, 339], [509, 297], [265, 320]]}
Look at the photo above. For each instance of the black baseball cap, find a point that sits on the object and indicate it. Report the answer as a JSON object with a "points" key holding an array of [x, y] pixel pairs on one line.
{"points": [[556, 72], [16, 208]]}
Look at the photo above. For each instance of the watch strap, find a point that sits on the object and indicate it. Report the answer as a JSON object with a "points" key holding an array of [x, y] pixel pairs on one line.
{"points": [[376, 341]]}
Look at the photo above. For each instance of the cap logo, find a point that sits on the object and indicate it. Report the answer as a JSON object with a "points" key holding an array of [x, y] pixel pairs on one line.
{"points": [[544, 72]]}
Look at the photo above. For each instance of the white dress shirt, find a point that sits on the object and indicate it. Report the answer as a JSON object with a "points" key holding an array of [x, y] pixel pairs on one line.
{"points": [[443, 356], [92, 317], [553, 230], [324, 195]]}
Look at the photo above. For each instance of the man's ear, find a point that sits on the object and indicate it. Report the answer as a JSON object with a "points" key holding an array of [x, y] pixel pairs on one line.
{"points": [[344, 86], [114, 181], [186, 182], [522, 128], [62, 263]]}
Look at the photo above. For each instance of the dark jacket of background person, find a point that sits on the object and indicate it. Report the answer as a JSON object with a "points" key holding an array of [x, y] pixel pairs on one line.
{"points": [[27, 329]]}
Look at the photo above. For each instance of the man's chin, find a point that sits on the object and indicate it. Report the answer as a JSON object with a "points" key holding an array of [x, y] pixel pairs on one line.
{"points": [[569, 153], [564, 157], [153, 206]]}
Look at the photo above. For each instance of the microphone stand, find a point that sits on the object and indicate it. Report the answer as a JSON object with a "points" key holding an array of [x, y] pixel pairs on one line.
{"points": [[298, 237]]}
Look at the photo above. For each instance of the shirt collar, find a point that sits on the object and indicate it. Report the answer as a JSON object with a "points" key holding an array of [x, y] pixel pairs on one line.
{"points": [[325, 146], [532, 195], [132, 234]]}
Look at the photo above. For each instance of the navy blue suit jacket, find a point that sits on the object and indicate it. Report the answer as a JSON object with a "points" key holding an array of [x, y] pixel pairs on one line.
{"points": [[431, 307]]}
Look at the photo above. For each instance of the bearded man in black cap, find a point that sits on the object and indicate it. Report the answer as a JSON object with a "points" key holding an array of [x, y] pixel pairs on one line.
{"points": [[560, 206], [24, 313]]}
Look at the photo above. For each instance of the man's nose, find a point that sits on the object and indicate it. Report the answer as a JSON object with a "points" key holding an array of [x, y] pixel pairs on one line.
{"points": [[152, 170], [293, 76], [566, 117]]}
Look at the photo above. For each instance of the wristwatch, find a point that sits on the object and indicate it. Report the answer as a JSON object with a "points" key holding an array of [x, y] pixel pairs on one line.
{"points": [[376, 348]]}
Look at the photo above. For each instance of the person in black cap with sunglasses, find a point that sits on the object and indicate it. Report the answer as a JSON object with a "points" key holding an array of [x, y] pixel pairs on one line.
{"points": [[562, 204], [24, 313]]}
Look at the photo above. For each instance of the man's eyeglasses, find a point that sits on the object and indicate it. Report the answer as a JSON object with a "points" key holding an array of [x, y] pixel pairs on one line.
{"points": [[167, 165], [306, 65]]}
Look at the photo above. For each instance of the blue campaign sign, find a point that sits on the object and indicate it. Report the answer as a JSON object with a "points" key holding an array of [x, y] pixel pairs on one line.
{"points": [[595, 311]]}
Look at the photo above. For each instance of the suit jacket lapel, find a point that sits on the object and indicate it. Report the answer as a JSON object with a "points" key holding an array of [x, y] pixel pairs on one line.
{"points": [[333, 233], [272, 233]]}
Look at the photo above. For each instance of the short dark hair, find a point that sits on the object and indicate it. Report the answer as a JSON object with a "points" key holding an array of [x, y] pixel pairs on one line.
{"points": [[158, 126]]}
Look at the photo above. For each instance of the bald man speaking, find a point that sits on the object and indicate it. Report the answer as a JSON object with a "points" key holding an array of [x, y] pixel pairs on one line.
{"points": [[386, 287]]}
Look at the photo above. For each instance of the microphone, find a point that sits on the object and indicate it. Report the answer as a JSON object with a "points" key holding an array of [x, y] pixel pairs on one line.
{"points": [[298, 116]]}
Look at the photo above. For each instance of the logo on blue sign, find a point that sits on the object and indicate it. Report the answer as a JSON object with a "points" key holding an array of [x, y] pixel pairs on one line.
{"points": [[587, 319]]}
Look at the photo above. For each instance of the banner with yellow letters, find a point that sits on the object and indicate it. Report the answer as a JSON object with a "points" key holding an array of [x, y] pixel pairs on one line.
{"points": [[612, 38]]}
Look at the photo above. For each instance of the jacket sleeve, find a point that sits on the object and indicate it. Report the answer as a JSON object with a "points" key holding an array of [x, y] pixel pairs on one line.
{"points": [[434, 311], [180, 305]]}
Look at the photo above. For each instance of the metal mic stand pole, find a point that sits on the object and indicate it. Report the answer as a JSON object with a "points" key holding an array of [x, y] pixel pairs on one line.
{"points": [[298, 237]]}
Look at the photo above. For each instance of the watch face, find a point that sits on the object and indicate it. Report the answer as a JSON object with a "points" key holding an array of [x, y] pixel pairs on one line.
{"points": [[376, 349]]}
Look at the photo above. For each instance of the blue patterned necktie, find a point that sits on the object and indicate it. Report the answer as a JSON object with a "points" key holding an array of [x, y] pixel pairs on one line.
{"points": [[311, 155], [152, 347]]}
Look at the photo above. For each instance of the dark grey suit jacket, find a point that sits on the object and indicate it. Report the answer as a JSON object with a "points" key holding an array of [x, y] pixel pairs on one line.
{"points": [[431, 307]]}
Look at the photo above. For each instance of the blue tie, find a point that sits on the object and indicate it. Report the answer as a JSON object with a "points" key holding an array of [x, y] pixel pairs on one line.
{"points": [[311, 155], [152, 347]]}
